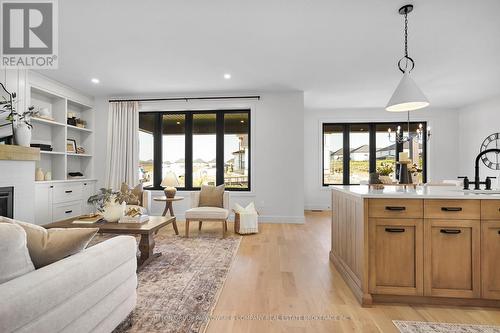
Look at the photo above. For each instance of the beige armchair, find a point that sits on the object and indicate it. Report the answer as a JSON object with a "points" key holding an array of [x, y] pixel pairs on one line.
{"points": [[212, 214]]}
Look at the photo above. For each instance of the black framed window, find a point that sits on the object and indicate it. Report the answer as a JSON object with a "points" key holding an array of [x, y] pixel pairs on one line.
{"points": [[352, 150], [192, 148]]}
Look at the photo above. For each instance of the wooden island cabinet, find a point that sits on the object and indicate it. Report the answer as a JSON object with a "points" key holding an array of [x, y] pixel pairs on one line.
{"points": [[429, 245]]}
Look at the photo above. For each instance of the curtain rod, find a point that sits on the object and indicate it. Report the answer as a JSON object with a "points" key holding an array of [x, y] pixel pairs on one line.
{"points": [[183, 98]]}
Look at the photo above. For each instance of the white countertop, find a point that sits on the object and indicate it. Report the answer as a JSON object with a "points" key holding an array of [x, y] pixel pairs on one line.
{"points": [[421, 192]]}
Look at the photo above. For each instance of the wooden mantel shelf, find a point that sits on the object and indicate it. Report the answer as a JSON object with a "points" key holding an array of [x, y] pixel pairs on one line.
{"points": [[19, 153]]}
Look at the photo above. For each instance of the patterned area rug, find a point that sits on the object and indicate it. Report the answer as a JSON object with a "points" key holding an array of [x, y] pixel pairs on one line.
{"points": [[425, 327], [178, 290]]}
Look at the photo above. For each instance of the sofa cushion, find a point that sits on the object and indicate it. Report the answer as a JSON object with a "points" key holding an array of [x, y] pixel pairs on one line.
{"points": [[14, 259], [211, 196], [46, 246], [201, 213]]}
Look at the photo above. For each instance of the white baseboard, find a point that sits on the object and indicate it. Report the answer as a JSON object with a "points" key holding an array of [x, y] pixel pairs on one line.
{"points": [[316, 207]]}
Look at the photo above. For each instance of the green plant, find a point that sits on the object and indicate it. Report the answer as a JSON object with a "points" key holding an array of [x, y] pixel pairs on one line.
{"points": [[385, 169], [106, 195], [10, 106]]}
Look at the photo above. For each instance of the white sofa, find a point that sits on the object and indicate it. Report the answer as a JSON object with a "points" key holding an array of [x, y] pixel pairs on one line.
{"points": [[91, 291]]}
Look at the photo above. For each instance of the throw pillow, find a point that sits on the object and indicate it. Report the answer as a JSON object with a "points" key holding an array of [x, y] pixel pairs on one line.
{"points": [[136, 191], [47, 246], [250, 209], [211, 196], [15, 259]]}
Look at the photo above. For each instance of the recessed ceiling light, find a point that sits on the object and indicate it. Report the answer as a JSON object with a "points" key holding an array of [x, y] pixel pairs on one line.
{"points": [[178, 123], [242, 121], [227, 76], [95, 80]]}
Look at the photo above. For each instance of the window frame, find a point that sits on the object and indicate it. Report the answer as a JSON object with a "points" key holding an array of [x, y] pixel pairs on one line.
{"points": [[372, 147], [188, 152]]}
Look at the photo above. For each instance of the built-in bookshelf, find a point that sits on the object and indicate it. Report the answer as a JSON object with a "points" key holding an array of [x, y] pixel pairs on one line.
{"points": [[53, 130]]}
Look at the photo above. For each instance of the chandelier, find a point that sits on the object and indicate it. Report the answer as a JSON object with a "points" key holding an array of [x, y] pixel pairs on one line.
{"points": [[407, 96]]}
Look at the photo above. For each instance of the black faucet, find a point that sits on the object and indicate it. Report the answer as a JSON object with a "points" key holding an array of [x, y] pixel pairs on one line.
{"points": [[477, 182]]}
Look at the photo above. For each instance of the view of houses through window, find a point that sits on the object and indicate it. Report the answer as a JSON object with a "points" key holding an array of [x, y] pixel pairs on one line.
{"points": [[196, 148], [352, 151]]}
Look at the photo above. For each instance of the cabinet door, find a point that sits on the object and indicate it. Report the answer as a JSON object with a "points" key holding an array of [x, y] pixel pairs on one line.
{"points": [[490, 262], [88, 190], [43, 204], [396, 256], [451, 258]]}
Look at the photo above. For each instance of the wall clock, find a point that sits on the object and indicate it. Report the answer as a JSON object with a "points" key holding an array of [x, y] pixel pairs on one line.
{"points": [[492, 160]]}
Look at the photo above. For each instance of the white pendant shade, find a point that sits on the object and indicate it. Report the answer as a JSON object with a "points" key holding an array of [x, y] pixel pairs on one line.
{"points": [[407, 97]]}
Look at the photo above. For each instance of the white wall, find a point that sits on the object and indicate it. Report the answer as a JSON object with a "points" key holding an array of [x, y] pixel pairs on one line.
{"points": [[277, 150], [476, 122], [442, 162]]}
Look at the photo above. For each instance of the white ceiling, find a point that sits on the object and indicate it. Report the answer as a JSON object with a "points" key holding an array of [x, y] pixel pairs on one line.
{"points": [[340, 53]]}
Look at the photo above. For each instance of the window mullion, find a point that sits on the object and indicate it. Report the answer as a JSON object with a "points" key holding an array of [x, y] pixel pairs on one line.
{"points": [[219, 175], [157, 151], [188, 159], [346, 155]]}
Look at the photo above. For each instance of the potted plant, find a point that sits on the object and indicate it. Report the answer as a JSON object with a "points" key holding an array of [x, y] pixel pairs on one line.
{"points": [[111, 205], [21, 121], [416, 173], [385, 170]]}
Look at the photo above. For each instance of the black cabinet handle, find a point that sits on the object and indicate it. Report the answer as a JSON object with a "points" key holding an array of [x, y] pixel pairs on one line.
{"points": [[395, 208], [499, 232], [394, 229], [68, 212], [68, 191], [450, 231], [51, 186], [451, 209]]}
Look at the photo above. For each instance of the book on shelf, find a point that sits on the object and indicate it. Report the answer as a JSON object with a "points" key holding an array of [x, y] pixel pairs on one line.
{"points": [[134, 219]]}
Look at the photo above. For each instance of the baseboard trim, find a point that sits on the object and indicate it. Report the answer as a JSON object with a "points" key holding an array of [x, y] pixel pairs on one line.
{"points": [[317, 207]]}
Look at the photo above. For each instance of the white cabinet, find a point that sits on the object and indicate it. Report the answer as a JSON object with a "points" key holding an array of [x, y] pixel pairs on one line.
{"points": [[56, 201], [43, 204], [87, 191]]}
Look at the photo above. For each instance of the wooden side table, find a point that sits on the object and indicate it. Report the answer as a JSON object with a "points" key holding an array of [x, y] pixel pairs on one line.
{"points": [[169, 207]]}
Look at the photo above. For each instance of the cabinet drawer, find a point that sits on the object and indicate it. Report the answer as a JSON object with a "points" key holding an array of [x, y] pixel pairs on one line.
{"points": [[452, 209], [67, 210], [490, 209], [67, 192], [393, 208]]}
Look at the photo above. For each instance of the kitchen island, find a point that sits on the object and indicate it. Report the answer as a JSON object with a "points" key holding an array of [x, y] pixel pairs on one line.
{"points": [[433, 245]]}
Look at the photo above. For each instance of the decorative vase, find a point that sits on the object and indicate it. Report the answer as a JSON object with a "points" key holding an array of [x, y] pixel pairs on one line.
{"points": [[22, 134], [48, 175], [39, 175], [113, 211]]}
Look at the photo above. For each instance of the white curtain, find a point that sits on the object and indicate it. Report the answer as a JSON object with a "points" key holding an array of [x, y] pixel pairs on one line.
{"points": [[122, 156]]}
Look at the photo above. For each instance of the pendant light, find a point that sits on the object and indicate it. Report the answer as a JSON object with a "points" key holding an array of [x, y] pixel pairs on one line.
{"points": [[407, 96]]}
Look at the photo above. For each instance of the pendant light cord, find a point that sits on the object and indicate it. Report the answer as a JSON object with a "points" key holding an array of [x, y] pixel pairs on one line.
{"points": [[409, 63], [406, 36]]}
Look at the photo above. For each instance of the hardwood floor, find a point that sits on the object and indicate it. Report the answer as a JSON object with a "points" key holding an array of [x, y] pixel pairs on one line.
{"points": [[284, 270]]}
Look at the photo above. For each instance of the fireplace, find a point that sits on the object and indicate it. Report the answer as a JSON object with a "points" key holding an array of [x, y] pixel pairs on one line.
{"points": [[7, 201]]}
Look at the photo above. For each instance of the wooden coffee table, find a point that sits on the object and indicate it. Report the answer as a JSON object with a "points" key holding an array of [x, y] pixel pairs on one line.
{"points": [[146, 230]]}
